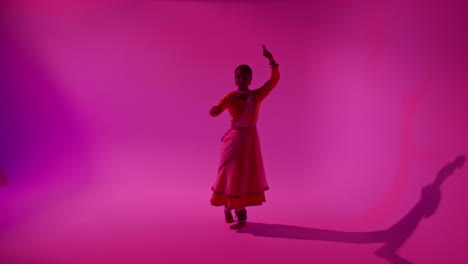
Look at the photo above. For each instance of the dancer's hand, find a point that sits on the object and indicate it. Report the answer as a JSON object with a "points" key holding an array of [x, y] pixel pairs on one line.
{"points": [[215, 110], [267, 54]]}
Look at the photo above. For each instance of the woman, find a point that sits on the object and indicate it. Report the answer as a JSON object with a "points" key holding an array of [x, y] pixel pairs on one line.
{"points": [[241, 178]]}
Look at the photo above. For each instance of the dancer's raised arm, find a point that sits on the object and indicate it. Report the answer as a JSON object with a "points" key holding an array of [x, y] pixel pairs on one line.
{"points": [[263, 91]]}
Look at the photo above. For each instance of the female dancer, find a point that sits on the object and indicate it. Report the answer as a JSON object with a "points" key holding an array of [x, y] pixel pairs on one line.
{"points": [[241, 177]]}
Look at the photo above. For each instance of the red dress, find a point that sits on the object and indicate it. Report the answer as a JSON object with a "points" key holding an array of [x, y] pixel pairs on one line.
{"points": [[241, 177]]}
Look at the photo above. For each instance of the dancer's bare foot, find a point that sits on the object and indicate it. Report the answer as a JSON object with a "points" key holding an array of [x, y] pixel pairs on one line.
{"points": [[228, 217], [242, 218]]}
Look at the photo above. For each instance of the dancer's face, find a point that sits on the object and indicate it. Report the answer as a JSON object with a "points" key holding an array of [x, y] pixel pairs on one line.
{"points": [[242, 79]]}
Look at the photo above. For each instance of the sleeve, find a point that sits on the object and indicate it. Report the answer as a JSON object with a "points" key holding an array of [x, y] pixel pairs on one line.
{"points": [[224, 102], [265, 90]]}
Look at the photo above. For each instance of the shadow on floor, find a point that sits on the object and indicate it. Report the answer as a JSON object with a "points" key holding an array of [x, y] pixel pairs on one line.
{"points": [[392, 238]]}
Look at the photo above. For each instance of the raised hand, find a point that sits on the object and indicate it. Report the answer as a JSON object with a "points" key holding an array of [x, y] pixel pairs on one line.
{"points": [[267, 54]]}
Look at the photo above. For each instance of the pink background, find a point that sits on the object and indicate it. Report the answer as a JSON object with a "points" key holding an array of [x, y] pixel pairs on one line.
{"points": [[108, 152]]}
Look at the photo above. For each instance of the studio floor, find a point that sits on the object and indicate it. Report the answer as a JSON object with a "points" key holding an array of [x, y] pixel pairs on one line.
{"points": [[127, 216]]}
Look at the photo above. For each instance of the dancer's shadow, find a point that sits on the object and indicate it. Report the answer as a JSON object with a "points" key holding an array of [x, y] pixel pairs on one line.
{"points": [[392, 238]]}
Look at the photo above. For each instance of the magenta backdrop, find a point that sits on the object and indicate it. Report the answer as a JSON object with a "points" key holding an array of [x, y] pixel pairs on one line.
{"points": [[108, 152]]}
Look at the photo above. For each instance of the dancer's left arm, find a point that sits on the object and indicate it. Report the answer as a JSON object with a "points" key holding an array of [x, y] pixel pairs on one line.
{"points": [[263, 91]]}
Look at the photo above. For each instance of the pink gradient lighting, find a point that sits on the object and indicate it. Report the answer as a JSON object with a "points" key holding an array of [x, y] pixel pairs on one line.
{"points": [[108, 152]]}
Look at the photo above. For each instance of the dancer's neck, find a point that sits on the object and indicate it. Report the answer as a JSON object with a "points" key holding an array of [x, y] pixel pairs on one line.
{"points": [[242, 91]]}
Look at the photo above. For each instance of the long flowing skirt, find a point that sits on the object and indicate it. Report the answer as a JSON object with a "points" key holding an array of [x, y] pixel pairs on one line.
{"points": [[241, 177]]}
